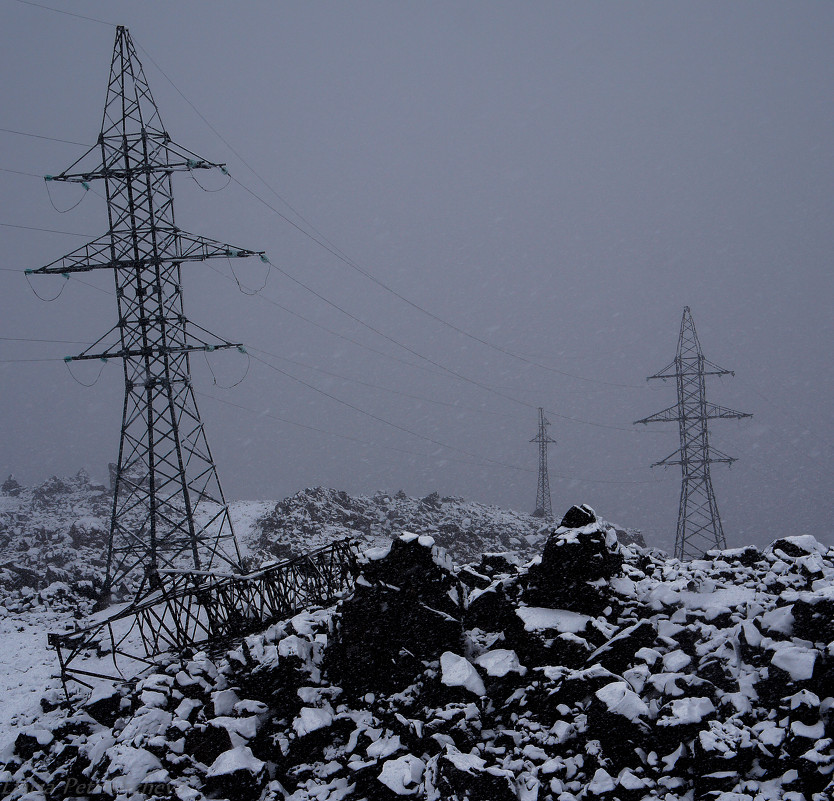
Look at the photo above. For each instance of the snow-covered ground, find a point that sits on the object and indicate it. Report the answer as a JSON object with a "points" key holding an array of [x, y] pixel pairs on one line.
{"points": [[28, 668], [592, 671]]}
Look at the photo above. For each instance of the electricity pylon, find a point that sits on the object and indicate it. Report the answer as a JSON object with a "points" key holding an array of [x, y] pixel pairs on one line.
{"points": [[699, 524], [169, 510], [544, 507]]}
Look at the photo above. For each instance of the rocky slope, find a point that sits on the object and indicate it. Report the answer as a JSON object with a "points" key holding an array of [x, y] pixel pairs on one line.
{"points": [[596, 671], [57, 531], [465, 529]]}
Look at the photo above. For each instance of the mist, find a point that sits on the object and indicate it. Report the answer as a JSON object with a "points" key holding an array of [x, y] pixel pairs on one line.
{"points": [[535, 190]]}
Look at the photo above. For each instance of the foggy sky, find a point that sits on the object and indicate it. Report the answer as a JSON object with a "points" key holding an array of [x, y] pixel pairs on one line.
{"points": [[559, 179]]}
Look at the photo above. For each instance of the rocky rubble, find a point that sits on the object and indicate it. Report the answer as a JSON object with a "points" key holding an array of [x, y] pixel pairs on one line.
{"points": [[57, 531], [596, 671], [465, 529], [52, 534]]}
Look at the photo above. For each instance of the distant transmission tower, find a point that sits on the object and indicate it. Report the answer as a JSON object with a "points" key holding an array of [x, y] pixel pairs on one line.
{"points": [[544, 507], [699, 524], [168, 506]]}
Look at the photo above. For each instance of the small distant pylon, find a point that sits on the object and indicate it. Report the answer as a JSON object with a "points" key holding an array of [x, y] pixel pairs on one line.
{"points": [[699, 524], [544, 508]]}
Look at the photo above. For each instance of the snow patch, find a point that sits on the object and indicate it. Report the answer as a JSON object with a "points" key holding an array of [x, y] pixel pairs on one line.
{"points": [[235, 759], [499, 662], [403, 775], [457, 671], [311, 719], [798, 662], [620, 699], [537, 618]]}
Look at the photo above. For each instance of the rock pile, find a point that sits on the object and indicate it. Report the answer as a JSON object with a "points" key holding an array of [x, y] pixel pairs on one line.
{"points": [[54, 532], [598, 671], [57, 531], [464, 529]]}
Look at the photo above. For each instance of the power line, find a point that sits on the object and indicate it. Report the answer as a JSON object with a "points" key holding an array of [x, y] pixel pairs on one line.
{"points": [[68, 13], [20, 172], [394, 341], [445, 370], [41, 177], [294, 313], [335, 252], [431, 361], [39, 136], [383, 420], [421, 398], [327, 245], [347, 437], [44, 230], [16, 361], [50, 341], [481, 460]]}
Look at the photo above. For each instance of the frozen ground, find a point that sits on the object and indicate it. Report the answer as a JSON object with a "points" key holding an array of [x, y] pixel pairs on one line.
{"points": [[28, 667]]}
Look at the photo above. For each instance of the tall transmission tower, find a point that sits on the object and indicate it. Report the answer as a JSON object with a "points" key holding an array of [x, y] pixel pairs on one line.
{"points": [[169, 510], [699, 524], [544, 507]]}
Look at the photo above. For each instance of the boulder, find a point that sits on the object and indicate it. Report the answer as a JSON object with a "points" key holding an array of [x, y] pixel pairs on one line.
{"points": [[206, 743], [617, 717], [578, 516], [576, 565], [104, 704], [456, 776], [237, 774], [814, 618], [618, 653], [406, 609]]}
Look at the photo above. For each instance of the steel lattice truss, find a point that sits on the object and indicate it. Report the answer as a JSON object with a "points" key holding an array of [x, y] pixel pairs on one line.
{"points": [[192, 609], [169, 509], [699, 524], [544, 507]]}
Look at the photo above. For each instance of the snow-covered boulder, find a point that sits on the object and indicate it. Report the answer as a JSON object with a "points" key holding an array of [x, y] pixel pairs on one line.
{"points": [[406, 608], [236, 773]]}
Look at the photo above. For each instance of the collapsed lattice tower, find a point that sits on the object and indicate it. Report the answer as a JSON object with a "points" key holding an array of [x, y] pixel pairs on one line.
{"points": [[699, 524], [169, 510]]}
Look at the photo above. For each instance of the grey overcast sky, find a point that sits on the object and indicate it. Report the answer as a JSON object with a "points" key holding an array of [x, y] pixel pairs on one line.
{"points": [[558, 179]]}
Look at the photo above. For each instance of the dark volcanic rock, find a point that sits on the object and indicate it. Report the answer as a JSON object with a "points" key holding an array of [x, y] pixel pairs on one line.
{"points": [[618, 653], [578, 517], [575, 566], [597, 672], [406, 609], [814, 618], [460, 776], [11, 486], [617, 717], [105, 705], [237, 774]]}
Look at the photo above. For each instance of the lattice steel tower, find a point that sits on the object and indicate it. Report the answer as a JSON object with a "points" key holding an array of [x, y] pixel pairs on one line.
{"points": [[168, 508], [544, 507], [699, 524]]}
